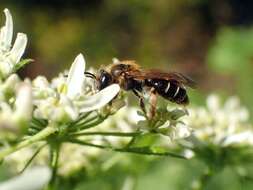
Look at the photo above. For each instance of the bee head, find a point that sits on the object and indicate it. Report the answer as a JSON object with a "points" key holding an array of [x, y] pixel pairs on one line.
{"points": [[104, 79]]}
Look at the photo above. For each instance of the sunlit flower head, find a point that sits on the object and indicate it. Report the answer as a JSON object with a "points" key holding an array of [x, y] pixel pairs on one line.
{"points": [[15, 105], [65, 98], [168, 122], [221, 124], [10, 55]]}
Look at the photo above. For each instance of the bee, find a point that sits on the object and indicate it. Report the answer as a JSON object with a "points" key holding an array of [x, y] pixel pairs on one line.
{"points": [[128, 74]]}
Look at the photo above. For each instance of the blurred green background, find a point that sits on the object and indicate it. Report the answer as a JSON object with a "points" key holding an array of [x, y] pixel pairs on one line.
{"points": [[210, 41]]}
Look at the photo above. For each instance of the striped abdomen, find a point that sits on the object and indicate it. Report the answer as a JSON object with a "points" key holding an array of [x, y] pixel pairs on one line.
{"points": [[169, 89]]}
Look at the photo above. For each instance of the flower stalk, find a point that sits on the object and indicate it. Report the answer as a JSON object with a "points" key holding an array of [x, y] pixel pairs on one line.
{"points": [[115, 134], [54, 160], [136, 150], [42, 135]]}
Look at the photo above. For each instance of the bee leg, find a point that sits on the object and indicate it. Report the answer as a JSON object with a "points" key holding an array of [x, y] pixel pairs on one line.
{"points": [[153, 103], [141, 101]]}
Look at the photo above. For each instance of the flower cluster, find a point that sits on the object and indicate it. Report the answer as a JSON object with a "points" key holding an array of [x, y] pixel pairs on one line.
{"points": [[168, 122], [64, 99], [67, 117], [26, 106], [10, 55], [15, 105], [222, 125], [222, 137], [15, 95]]}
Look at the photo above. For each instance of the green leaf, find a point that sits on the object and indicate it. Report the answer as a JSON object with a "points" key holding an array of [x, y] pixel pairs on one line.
{"points": [[159, 149], [22, 63], [146, 150], [233, 47], [145, 140], [153, 151], [178, 113], [140, 113]]}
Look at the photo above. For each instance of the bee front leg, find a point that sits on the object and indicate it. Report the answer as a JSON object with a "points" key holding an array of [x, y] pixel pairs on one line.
{"points": [[153, 103], [141, 101]]}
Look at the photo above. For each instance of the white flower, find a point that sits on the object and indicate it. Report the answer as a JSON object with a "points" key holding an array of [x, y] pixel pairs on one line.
{"points": [[222, 125], [175, 131], [33, 179], [76, 157], [10, 55], [65, 98], [16, 116], [188, 153], [242, 138], [170, 124], [75, 80], [213, 103], [115, 60], [182, 131], [23, 104]]}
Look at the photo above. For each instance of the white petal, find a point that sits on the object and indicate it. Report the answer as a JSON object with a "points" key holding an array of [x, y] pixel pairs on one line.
{"points": [[7, 30], [100, 99], [243, 138], [12, 82], [40, 82], [233, 103], [182, 131], [23, 102], [33, 179], [18, 48], [115, 60], [69, 108], [76, 76], [133, 116], [188, 153], [213, 102], [7, 109]]}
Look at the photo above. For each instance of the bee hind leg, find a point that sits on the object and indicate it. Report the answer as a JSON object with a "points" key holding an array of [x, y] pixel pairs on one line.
{"points": [[141, 101], [153, 103]]}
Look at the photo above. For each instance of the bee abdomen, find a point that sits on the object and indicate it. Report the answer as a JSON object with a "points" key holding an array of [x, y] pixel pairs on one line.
{"points": [[181, 97], [169, 90]]}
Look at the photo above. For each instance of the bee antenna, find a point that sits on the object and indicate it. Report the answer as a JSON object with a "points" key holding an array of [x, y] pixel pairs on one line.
{"points": [[90, 75]]}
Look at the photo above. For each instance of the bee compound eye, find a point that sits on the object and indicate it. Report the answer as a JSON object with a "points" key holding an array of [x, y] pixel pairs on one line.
{"points": [[104, 80]]}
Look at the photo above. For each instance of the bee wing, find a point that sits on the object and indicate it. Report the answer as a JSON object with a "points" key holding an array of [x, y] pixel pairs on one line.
{"points": [[182, 79], [170, 76]]}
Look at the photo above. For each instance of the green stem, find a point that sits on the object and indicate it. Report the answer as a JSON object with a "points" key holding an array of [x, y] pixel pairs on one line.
{"points": [[35, 138], [90, 124], [117, 134], [126, 150], [80, 120], [54, 158], [86, 122], [34, 155], [83, 117]]}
